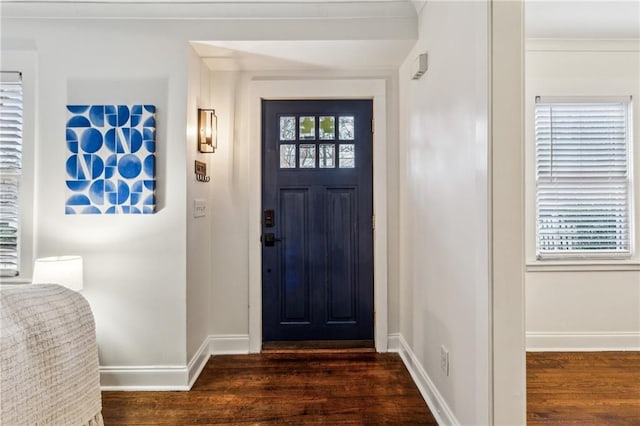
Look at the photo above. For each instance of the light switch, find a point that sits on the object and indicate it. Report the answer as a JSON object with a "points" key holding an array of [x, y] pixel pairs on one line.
{"points": [[199, 208]]}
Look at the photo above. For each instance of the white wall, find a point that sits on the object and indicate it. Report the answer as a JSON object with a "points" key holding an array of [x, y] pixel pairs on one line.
{"points": [[230, 218], [582, 305], [508, 362], [149, 278], [231, 187], [147, 305], [444, 258], [199, 253], [127, 258]]}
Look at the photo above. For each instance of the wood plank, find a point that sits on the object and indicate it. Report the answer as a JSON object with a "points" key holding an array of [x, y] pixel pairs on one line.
{"points": [[587, 388], [283, 388]]}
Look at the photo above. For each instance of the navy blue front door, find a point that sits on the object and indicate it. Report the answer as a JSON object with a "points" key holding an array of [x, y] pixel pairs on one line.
{"points": [[317, 234]]}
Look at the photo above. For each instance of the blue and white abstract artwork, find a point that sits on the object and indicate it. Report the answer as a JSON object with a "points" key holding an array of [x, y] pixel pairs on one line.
{"points": [[111, 167]]}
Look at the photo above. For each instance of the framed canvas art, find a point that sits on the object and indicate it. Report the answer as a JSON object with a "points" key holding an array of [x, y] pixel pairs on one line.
{"points": [[111, 162]]}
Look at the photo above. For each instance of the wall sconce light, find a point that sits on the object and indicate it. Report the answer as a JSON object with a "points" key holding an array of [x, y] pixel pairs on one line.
{"points": [[207, 130]]}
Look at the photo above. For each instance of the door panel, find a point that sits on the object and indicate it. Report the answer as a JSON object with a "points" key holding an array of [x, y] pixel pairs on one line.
{"points": [[294, 247], [341, 256], [317, 251]]}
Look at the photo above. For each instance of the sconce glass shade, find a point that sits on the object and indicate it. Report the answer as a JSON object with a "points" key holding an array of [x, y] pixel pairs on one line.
{"points": [[63, 270], [207, 130]]}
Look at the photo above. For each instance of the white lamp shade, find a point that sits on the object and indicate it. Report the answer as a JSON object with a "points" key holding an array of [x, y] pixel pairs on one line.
{"points": [[63, 270]]}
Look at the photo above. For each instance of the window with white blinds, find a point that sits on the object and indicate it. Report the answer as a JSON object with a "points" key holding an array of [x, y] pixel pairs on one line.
{"points": [[10, 171], [583, 180]]}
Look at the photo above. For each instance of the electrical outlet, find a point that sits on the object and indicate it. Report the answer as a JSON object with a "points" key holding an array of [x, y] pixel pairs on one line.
{"points": [[444, 360]]}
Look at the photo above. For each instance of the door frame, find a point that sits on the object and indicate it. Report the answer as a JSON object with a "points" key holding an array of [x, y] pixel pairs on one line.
{"points": [[374, 89]]}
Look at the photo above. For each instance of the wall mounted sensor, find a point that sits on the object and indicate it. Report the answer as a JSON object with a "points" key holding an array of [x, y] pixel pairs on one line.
{"points": [[419, 66]]}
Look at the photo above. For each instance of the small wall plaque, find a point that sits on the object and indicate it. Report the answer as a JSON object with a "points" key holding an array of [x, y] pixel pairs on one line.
{"points": [[201, 172]]}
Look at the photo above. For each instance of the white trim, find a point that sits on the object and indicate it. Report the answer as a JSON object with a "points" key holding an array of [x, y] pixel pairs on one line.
{"points": [[507, 367], [583, 341], [581, 45], [144, 378], [419, 5], [570, 99], [393, 342], [172, 378], [226, 344], [229, 344], [180, 2], [586, 266], [307, 10], [317, 89], [436, 403], [198, 361]]}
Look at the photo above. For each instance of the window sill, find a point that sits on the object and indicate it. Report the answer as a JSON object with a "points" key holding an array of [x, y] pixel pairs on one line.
{"points": [[586, 265]]}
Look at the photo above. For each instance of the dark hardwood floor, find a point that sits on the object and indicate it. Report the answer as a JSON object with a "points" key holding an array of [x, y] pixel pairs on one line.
{"points": [[325, 388], [337, 388], [583, 388]]}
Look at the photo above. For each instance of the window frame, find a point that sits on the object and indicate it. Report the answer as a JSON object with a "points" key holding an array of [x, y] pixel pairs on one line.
{"points": [[596, 255], [12, 82], [25, 62]]}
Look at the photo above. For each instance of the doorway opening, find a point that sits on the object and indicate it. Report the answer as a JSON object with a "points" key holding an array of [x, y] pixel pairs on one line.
{"points": [[373, 90]]}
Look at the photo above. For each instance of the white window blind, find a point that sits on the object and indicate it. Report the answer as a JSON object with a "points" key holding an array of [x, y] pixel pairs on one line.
{"points": [[10, 170], [583, 193]]}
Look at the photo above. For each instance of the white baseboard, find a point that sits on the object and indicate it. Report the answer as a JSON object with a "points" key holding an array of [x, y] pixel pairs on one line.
{"points": [[393, 342], [229, 344], [198, 361], [435, 401], [582, 342], [144, 378], [171, 378]]}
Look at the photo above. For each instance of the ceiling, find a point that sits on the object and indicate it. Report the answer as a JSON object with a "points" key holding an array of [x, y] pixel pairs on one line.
{"points": [[303, 54], [572, 19]]}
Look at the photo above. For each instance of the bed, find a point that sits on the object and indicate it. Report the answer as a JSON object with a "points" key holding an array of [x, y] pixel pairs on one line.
{"points": [[48, 357]]}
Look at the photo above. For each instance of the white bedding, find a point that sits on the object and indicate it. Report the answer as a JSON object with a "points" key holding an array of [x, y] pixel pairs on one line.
{"points": [[48, 357]]}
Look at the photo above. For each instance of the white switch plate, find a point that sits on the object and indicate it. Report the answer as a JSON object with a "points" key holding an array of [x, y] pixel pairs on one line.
{"points": [[199, 208]]}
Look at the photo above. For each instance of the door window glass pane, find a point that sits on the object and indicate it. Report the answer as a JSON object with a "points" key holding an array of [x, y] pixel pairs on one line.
{"points": [[307, 127], [307, 156], [347, 156], [346, 128], [287, 156], [287, 128], [327, 156], [327, 128]]}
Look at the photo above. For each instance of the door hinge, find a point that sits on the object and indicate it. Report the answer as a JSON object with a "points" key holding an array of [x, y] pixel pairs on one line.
{"points": [[373, 127], [373, 222]]}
